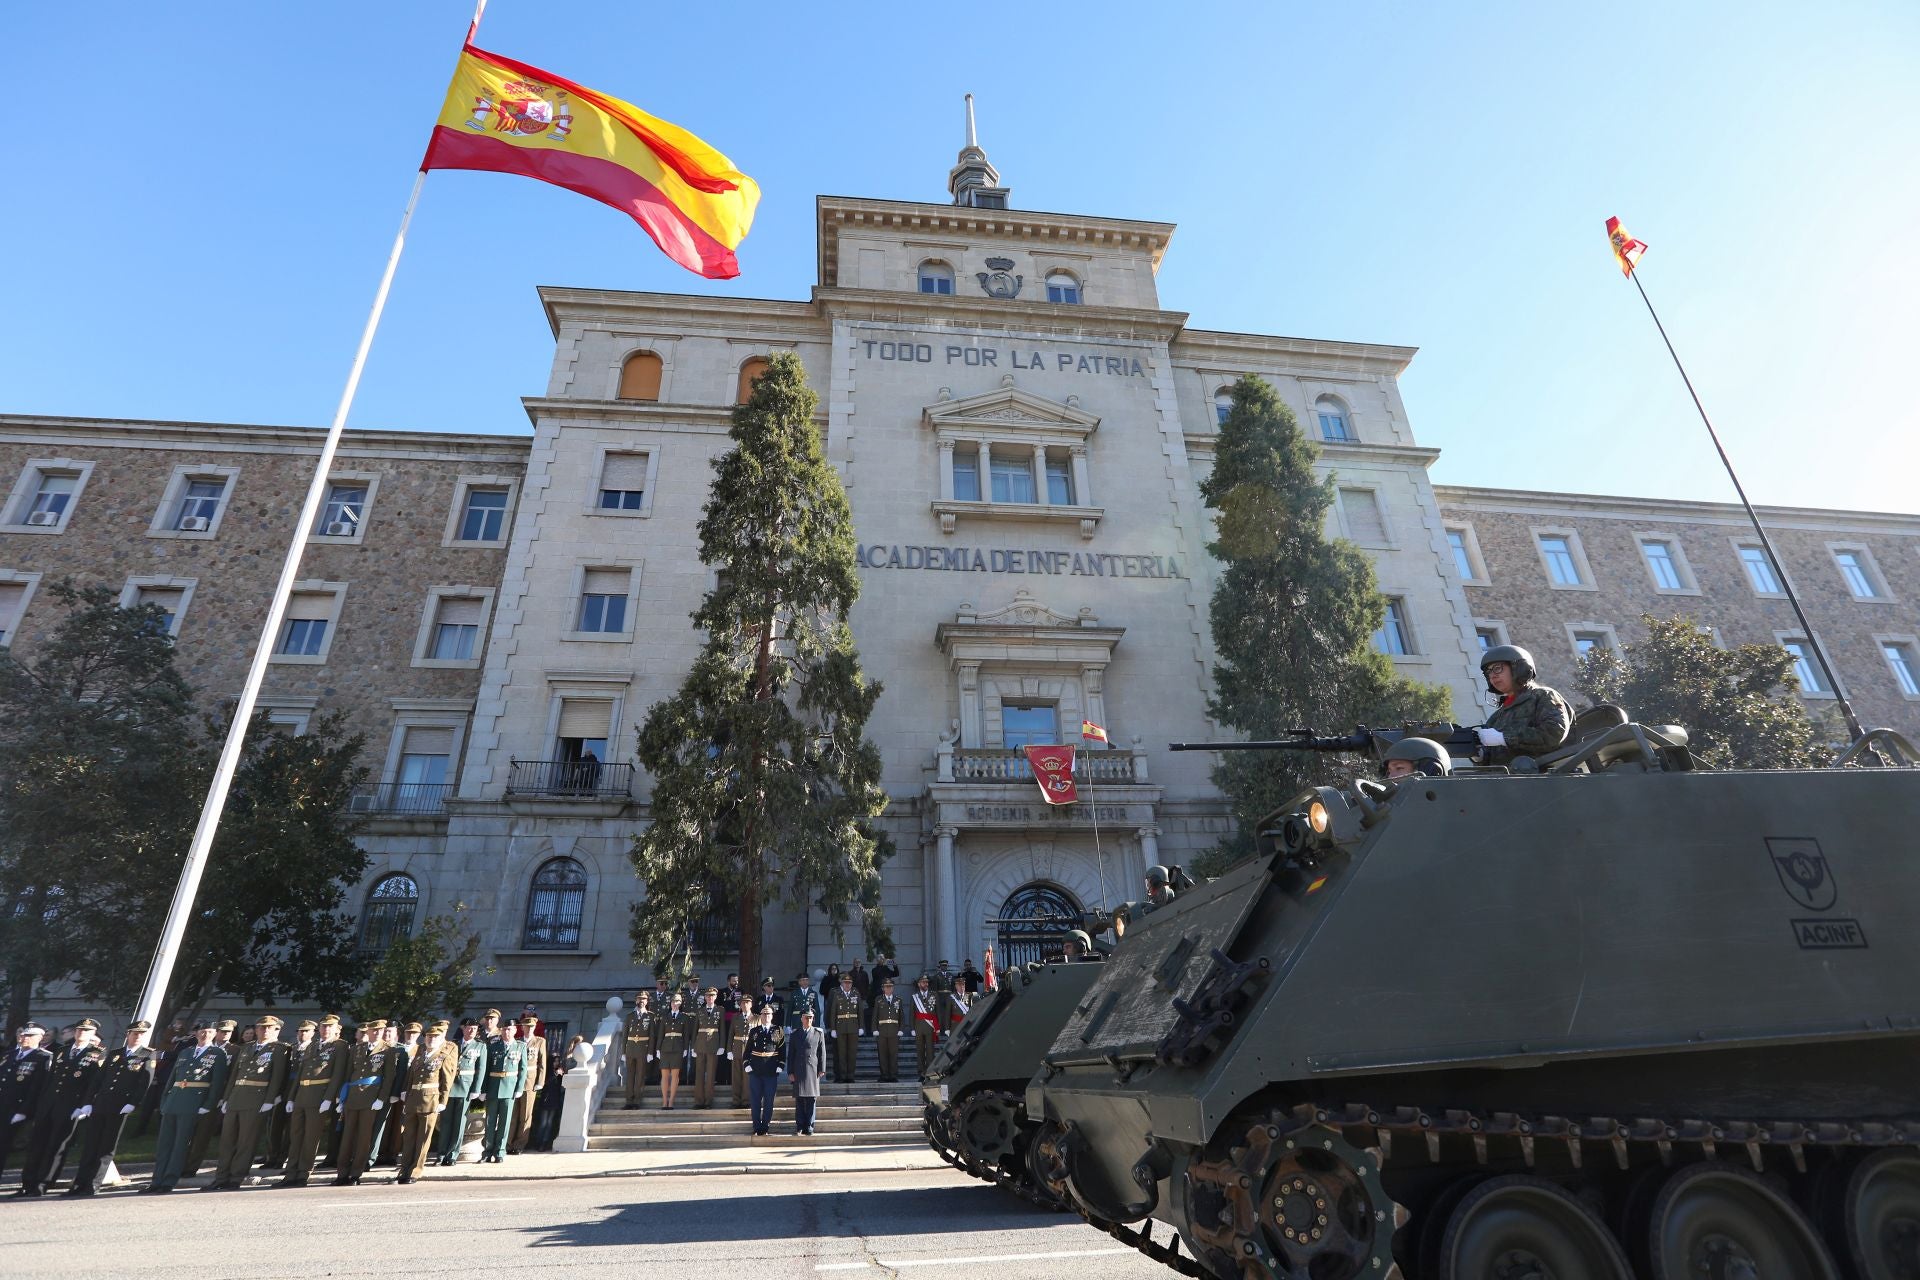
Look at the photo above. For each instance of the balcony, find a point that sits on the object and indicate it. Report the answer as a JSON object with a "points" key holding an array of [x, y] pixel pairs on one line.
{"points": [[569, 780], [998, 764], [402, 799]]}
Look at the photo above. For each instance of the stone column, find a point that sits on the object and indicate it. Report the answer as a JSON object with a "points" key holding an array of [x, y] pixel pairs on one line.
{"points": [[946, 470], [946, 937], [1092, 692], [1149, 846], [1082, 492], [970, 729], [1039, 473]]}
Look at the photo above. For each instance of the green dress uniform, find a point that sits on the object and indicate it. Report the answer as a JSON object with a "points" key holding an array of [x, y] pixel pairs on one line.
{"points": [[709, 1037], [469, 1074], [430, 1076], [256, 1086], [637, 1045], [506, 1080], [941, 980], [386, 1124], [74, 1071], [318, 1072], [672, 1038], [522, 1130], [924, 1008], [120, 1086], [803, 999], [373, 1082], [889, 1025], [737, 1053], [846, 1022], [198, 1079], [206, 1132]]}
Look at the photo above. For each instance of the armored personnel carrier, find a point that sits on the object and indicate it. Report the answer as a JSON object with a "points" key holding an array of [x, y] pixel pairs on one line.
{"points": [[1612, 1017]]}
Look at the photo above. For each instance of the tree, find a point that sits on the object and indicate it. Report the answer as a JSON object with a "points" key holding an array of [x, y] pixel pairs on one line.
{"points": [[765, 786], [1294, 614], [1738, 706], [429, 971]]}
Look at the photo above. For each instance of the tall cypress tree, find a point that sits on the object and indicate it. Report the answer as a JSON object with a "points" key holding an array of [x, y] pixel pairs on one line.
{"points": [[1293, 614], [764, 783]]}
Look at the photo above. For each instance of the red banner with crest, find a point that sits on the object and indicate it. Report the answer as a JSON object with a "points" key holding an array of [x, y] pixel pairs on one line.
{"points": [[1053, 770]]}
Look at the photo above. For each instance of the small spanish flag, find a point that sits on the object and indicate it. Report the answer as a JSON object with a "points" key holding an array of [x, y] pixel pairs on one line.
{"points": [[1091, 732], [1626, 250], [507, 117]]}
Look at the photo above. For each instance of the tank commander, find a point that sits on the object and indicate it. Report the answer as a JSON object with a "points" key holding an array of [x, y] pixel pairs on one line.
{"points": [[1531, 719], [1415, 757], [1079, 948]]}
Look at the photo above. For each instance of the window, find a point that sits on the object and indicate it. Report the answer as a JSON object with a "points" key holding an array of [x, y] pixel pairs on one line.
{"points": [[484, 517], [936, 277], [50, 501], [640, 377], [171, 601], [306, 634], [1222, 405], [1806, 669], [603, 601], [581, 737], [1392, 638], [420, 778], [199, 505], [749, 374], [1761, 572], [1861, 574], [1059, 482], [1457, 540], [1565, 562], [456, 629], [1332, 416], [13, 607], [1660, 563], [1585, 642], [1365, 525], [966, 475], [389, 916], [1486, 638], [1062, 287], [1012, 478], [623, 482], [345, 509], [1025, 724], [46, 493], [555, 906], [1905, 667]]}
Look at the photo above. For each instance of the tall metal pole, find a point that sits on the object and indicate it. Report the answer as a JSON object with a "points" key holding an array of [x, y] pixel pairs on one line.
{"points": [[1806, 628]]}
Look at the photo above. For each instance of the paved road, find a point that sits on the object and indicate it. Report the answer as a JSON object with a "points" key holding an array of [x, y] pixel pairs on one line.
{"points": [[717, 1227]]}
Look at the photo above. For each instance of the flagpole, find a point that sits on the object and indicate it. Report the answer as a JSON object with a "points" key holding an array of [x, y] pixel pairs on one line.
{"points": [[1093, 808], [1813, 642]]}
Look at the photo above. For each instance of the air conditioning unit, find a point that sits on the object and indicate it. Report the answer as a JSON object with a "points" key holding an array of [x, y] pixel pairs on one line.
{"points": [[43, 518], [193, 524], [360, 804], [340, 529]]}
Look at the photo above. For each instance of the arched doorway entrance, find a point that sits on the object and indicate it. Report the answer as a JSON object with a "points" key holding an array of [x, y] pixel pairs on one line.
{"points": [[1034, 924]]}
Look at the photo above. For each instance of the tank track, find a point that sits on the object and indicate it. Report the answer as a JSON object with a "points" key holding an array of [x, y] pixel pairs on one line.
{"points": [[1018, 1185]]}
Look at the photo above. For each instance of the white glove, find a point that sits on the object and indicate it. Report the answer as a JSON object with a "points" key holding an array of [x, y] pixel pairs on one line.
{"points": [[81, 1113], [833, 1035], [749, 1070], [649, 1057], [863, 1031], [127, 1110], [223, 1106], [1492, 738], [265, 1107], [729, 1055], [379, 1103], [17, 1119], [203, 1111], [401, 1098], [326, 1106], [289, 1108], [903, 1033], [442, 1107]]}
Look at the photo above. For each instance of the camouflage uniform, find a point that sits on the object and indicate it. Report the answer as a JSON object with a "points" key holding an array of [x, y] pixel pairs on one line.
{"points": [[1535, 721]]}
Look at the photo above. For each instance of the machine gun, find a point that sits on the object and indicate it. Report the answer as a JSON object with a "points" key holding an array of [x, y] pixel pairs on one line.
{"points": [[1457, 739]]}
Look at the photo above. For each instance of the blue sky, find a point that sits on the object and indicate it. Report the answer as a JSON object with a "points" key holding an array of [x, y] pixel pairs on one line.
{"points": [[198, 201]]}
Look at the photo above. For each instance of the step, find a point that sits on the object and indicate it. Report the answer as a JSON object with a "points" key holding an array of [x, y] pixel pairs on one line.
{"points": [[653, 1115], [869, 1092], [782, 1136], [668, 1133]]}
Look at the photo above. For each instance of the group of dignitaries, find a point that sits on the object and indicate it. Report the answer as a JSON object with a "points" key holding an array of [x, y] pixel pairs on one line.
{"points": [[403, 1090], [729, 1036]]}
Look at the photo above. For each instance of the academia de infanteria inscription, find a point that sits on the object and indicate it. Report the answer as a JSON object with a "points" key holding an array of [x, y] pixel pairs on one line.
{"points": [[1012, 358], [1082, 564]]}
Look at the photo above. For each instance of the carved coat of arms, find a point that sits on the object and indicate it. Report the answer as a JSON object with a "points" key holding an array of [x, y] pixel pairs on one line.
{"points": [[998, 280]]}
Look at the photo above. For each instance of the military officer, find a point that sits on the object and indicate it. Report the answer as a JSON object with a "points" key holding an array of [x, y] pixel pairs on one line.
{"points": [[762, 1061], [883, 968], [805, 999], [373, 1081], [847, 1022], [1079, 948], [709, 1043], [806, 1064], [280, 1118], [941, 980], [636, 1041], [28, 1069], [770, 998], [926, 1021], [315, 1079], [121, 1085], [430, 1075], [506, 1081], [745, 1018], [73, 1073], [959, 1001], [194, 1086], [469, 1075], [206, 1133], [672, 1040], [537, 1067], [889, 1026], [386, 1128], [256, 1086]]}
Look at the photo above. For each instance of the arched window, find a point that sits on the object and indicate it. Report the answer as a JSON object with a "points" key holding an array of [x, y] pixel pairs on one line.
{"points": [[749, 374], [640, 376], [1034, 924], [1222, 404], [1062, 287], [389, 915], [936, 277], [1333, 419], [555, 906]]}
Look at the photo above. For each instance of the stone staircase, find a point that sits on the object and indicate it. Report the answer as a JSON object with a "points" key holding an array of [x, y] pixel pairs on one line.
{"points": [[863, 1113]]}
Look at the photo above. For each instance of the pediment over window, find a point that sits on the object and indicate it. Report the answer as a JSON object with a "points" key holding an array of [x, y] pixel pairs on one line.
{"points": [[1025, 630], [1025, 611], [1008, 410]]}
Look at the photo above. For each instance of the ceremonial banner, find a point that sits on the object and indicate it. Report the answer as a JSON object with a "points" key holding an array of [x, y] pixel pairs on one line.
{"points": [[1626, 250], [507, 117], [1053, 770]]}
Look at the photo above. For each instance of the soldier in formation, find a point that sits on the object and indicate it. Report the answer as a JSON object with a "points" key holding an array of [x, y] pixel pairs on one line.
{"points": [[536, 1077], [256, 1087], [889, 1021], [469, 1079], [317, 1075], [745, 1016], [206, 1133], [764, 1058], [925, 1012], [941, 981], [74, 1070], [959, 1001], [280, 1120], [846, 1024], [506, 1081], [29, 1068], [120, 1086], [636, 1038], [374, 1080], [1531, 719], [883, 969], [194, 1086], [430, 1076], [709, 1043], [770, 998], [672, 1039]]}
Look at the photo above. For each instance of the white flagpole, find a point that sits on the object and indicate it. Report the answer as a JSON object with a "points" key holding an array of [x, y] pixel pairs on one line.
{"points": [[1093, 809]]}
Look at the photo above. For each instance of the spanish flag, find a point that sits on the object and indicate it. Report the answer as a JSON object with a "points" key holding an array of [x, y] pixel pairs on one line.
{"points": [[1091, 732], [507, 117], [1626, 250]]}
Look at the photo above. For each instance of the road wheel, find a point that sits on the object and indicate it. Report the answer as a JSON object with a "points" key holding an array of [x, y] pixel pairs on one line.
{"points": [[1882, 1217], [1721, 1222], [1519, 1227]]}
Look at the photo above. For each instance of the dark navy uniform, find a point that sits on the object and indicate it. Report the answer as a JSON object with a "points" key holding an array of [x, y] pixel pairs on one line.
{"points": [[121, 1085], [22, 1088], [74, 1069]]}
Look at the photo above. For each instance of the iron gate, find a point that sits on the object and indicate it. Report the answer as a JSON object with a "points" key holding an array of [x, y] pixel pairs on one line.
{"points": [[1034, 924]]}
